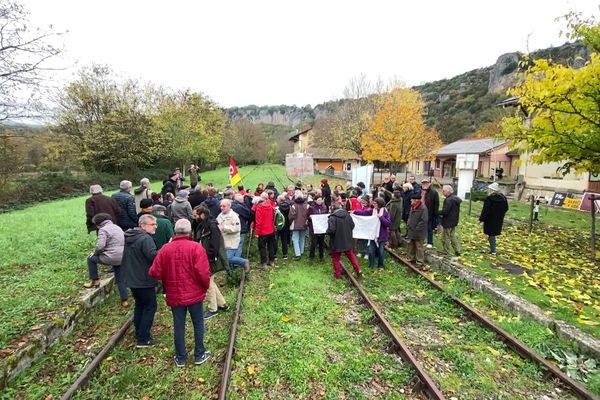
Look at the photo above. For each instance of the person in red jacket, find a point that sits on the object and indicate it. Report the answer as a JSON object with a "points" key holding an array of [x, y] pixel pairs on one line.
{"points": [[264, 228], [182, 266]]}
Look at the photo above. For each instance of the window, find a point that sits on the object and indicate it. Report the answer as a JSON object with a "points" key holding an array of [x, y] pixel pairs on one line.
{"points": [[348, 166], [417, 164], [437, 164]]}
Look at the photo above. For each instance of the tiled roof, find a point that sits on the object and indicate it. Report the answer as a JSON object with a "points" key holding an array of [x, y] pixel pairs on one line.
{"points": [[471, 146]]}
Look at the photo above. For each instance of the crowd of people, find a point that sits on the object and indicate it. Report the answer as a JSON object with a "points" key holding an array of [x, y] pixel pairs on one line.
{"points": [[183, 235]]}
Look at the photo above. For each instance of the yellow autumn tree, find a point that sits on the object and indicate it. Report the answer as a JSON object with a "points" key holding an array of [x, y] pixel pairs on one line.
{"points": [[397, 132]]}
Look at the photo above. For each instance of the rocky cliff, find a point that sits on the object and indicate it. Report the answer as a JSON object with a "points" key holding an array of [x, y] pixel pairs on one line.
{"points": [[456, 107]]}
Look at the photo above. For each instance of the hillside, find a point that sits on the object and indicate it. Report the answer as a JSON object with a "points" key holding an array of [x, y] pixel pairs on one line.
{"points": [[456, 107]]}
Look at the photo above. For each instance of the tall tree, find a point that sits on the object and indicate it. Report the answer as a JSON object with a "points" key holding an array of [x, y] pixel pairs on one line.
{"points": [[191, 126], [562, 108], [109, 122], [25, 57], [245, 142], [397, 132], [11, 161]]}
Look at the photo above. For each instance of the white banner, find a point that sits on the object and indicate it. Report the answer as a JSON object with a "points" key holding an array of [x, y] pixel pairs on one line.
{"points": [[319, 223], [366, 227]]}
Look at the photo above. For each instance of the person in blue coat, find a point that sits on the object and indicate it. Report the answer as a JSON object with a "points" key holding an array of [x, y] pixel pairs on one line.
{"points": [[127, 219]]}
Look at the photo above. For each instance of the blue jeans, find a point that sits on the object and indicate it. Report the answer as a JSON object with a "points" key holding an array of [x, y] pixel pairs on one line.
{"points": [[179, 316], [233, 259], [492, 240], [238, 252], [431, 225], [361, 247], [92, 262], [376, 250], [298, 238], [143, 314], [119, 282]]}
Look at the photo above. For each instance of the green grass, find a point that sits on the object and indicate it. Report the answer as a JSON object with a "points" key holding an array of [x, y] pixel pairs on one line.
{"points": [[138, 372], [563, 279], [575, 220], [304, 336], [464, 359], [44, 249]]}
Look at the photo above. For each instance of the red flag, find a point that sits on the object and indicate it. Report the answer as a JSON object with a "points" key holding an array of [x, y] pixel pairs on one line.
{"points": [[234, 175]]}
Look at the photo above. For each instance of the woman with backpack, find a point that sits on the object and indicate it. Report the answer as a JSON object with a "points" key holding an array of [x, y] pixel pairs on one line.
{"points": [[298, 221]]}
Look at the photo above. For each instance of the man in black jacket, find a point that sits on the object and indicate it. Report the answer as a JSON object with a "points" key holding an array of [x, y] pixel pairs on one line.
{"points": [[450, 216], [246, 217], [138, 255], [431, 199], [127, 219], [339, 228], [492, 215]]}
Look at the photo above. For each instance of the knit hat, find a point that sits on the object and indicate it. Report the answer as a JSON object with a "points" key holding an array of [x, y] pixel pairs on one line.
{"points": [[182, 194], [494, 186], [158, 207], [146, 203], [415, 196]]}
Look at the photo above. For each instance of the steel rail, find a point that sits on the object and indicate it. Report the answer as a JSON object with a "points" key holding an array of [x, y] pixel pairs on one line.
{"points": [[91, 368], [519, 347], [226, 375], [425, 383]]}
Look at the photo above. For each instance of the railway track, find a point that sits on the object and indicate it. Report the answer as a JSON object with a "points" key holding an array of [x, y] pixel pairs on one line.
{"points": [[88, 372], [410, 351]]}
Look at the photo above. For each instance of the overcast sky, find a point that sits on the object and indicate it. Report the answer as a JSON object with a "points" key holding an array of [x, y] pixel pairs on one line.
{"points": [[297, 52]]}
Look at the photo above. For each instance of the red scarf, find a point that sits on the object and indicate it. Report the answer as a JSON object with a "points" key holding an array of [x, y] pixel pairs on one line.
{"points": [[416, 204]]}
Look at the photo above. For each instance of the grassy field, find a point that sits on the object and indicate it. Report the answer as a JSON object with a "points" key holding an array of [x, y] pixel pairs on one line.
{"points": [[557, 273], [44, 247]]}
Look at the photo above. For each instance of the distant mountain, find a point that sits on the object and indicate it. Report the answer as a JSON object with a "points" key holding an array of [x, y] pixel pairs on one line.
{"points": [[456, 107]]}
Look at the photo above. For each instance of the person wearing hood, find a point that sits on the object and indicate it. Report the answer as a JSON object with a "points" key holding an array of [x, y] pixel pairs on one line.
{"points": [[100, 203], [142, 192], [264, 229], [164, 226], [298, 222], [431, 199], [138, 255], [407, 192], [182, 266], [127, 217], [170, 185], [339, 229], [206, 231], [271, 186], [376, 249], [181, 207], [212, 202], [450, 216], [316, 208], [246, 218], [326, 192], [109, 251], [283, 234], [197, 196], [417, 229], [395, 207], [492, 215]]}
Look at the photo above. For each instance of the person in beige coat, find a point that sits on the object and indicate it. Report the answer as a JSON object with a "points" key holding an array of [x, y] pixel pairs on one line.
{"points": [[230, 227]]}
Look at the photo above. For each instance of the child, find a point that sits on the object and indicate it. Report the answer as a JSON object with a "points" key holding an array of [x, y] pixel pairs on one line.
{"points": [[536, 210]]}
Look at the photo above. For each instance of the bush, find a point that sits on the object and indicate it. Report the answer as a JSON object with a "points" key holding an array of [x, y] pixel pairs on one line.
{"points": [[27, 190]]}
